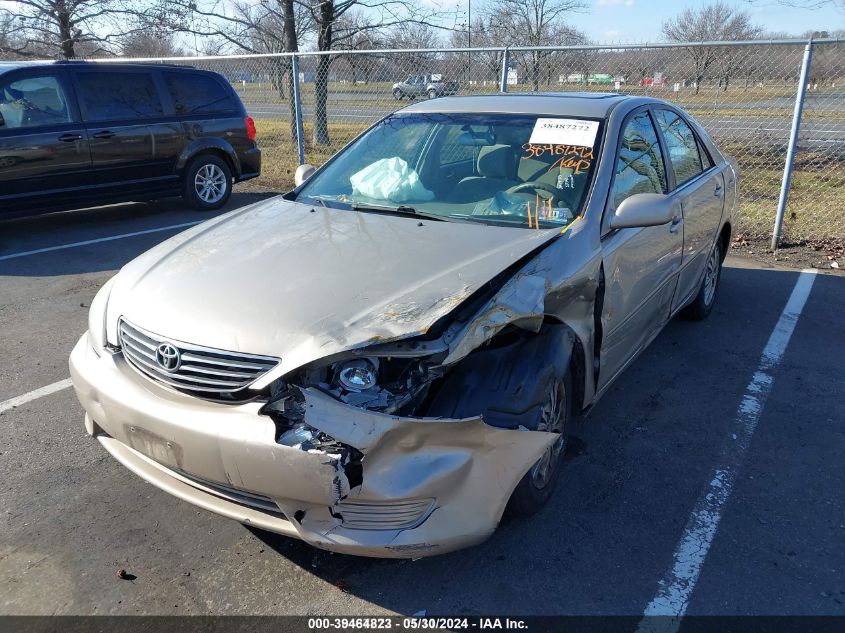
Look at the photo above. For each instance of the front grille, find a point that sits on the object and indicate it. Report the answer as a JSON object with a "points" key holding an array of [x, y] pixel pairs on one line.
{"points": [[198, 370], [391, 515]]}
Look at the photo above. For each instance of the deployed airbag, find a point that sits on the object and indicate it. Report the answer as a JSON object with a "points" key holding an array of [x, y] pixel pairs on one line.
{"points": [[389, 179]]}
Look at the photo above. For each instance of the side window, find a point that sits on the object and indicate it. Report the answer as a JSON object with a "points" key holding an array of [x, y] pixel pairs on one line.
{"points": [[33, 102], [118, 96], [681, 145], [639, 166], [706, 160], [198, 94]]}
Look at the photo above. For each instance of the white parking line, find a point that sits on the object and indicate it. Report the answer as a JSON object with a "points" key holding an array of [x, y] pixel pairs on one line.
{"points": [[34, 395], [98, 240], [676, 587]]}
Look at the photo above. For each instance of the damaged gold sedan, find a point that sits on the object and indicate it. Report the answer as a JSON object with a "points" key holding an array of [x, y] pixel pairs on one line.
{"points": [[386, 359]]}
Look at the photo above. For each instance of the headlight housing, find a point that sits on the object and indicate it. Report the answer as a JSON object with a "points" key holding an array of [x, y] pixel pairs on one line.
{"points": [[359, 374], [97, 317]]}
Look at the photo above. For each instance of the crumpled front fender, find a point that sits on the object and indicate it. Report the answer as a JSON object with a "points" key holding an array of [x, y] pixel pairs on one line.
{"points": [[469, 468]]}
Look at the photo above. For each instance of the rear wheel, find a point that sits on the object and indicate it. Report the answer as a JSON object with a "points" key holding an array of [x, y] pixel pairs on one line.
{"points": [[706, 297], [537, 486], [432, 94], [208, 182]]}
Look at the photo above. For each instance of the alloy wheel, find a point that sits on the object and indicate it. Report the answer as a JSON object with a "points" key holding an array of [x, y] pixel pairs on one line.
{"points": [[210, 183], [552, 419]]}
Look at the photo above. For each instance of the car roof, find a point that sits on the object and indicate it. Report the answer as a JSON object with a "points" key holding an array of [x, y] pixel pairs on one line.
{"points": [[8, 66], [584, 104]]}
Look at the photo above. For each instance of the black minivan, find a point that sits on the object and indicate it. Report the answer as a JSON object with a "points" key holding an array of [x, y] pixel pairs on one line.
{"points": [[80, 134]]}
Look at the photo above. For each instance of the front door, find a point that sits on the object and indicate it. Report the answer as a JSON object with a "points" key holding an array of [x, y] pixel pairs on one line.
{"points": [[640, 264], [43, 145]]}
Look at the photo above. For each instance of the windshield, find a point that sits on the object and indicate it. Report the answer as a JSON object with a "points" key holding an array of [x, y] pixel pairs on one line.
{"points": [[514, 170]]}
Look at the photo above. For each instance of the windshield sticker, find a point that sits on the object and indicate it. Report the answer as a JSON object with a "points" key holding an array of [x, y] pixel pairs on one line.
{"points": [[564, 132]]}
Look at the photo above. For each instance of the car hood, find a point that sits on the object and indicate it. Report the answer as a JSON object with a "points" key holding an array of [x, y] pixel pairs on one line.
{"points": [[284, 279]]}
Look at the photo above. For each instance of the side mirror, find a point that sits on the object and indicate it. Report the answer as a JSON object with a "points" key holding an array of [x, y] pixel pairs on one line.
{"points": [[644, 209], [303, 173]]}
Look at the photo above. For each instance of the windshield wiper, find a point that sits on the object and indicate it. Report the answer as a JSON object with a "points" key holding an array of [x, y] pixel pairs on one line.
{"points": [[400, 210]]}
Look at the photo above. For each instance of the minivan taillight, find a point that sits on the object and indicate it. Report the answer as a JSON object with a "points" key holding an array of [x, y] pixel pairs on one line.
{"points": [[250, 128]]}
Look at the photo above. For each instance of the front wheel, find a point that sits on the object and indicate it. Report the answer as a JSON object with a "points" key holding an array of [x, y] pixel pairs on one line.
{"points": [[706, 297], [432, 94], [207, 183], [397, 94], [537, 486]]}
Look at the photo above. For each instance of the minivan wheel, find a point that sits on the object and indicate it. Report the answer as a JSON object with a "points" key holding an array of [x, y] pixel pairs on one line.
{"points": [[703, 303], [397, 94], [208, 182], [537, 486]]}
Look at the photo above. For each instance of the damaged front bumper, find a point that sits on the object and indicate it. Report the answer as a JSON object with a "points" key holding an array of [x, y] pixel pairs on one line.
{"points": [[427, 486]]}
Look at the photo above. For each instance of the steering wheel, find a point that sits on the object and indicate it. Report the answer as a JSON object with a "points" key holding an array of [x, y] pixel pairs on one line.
{"points": [[536, 185]]}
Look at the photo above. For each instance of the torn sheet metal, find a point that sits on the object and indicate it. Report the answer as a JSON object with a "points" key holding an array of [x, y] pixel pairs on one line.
{"points": [[520, 302], [468, 467]]}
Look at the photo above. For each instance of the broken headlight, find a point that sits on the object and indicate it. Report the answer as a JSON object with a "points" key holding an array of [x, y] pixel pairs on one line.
{"points": [[357, 375]]}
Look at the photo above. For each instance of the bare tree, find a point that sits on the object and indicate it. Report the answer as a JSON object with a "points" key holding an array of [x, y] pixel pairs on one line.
{"points": [[533, 23], [713, 22], [483, 36], [151, 43], [69, 28], [269, 26], [335, 33]]}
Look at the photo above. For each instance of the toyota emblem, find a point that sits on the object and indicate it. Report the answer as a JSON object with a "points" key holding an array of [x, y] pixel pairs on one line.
{"points": [[168, 357]]}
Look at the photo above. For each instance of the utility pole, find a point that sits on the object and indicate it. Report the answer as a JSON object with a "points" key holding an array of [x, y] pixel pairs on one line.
{"points": [[469, 42]]}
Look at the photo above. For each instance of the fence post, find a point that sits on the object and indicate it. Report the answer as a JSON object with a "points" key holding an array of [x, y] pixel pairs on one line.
{"points": [[297, 107], [503, 86], [793, 141]]}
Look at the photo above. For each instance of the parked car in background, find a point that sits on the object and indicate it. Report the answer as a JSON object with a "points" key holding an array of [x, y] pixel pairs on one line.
{"points": [[79, 134], [424, 85], [386, 359]]}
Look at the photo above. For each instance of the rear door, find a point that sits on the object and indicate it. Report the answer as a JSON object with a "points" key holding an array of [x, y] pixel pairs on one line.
{"points": [[641, 264], [43, 145], [699, 185], [124, 113]]}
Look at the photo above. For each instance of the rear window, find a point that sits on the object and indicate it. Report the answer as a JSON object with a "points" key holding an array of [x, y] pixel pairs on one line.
{"points": [[198, 94], [118, 96]]}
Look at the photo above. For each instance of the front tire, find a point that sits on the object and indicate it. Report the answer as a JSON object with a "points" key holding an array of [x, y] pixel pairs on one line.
{"points": [[704, 301], [538, 485], [397, 94], [207, 183], [432, 94]]}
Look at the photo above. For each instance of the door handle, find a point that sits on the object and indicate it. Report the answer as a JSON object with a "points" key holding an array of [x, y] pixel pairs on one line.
{"points": [[70, 138], [104, 134], [676, 222], [717, 191]]}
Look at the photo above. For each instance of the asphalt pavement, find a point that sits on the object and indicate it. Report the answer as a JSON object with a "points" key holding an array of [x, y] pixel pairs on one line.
{"points": [[636, 469]]}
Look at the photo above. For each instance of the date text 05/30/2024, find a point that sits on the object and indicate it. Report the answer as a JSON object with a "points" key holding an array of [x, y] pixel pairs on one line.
{"points": [[417, 623]]}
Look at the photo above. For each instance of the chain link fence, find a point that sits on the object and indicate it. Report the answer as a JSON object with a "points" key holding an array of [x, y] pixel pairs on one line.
{"points": [[743, 93]]}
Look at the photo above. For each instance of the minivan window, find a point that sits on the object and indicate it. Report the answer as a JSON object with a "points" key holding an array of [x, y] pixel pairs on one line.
{"points": [[639, 167], [33, 102], [118, 96], [681, 145], [198, 94]]}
